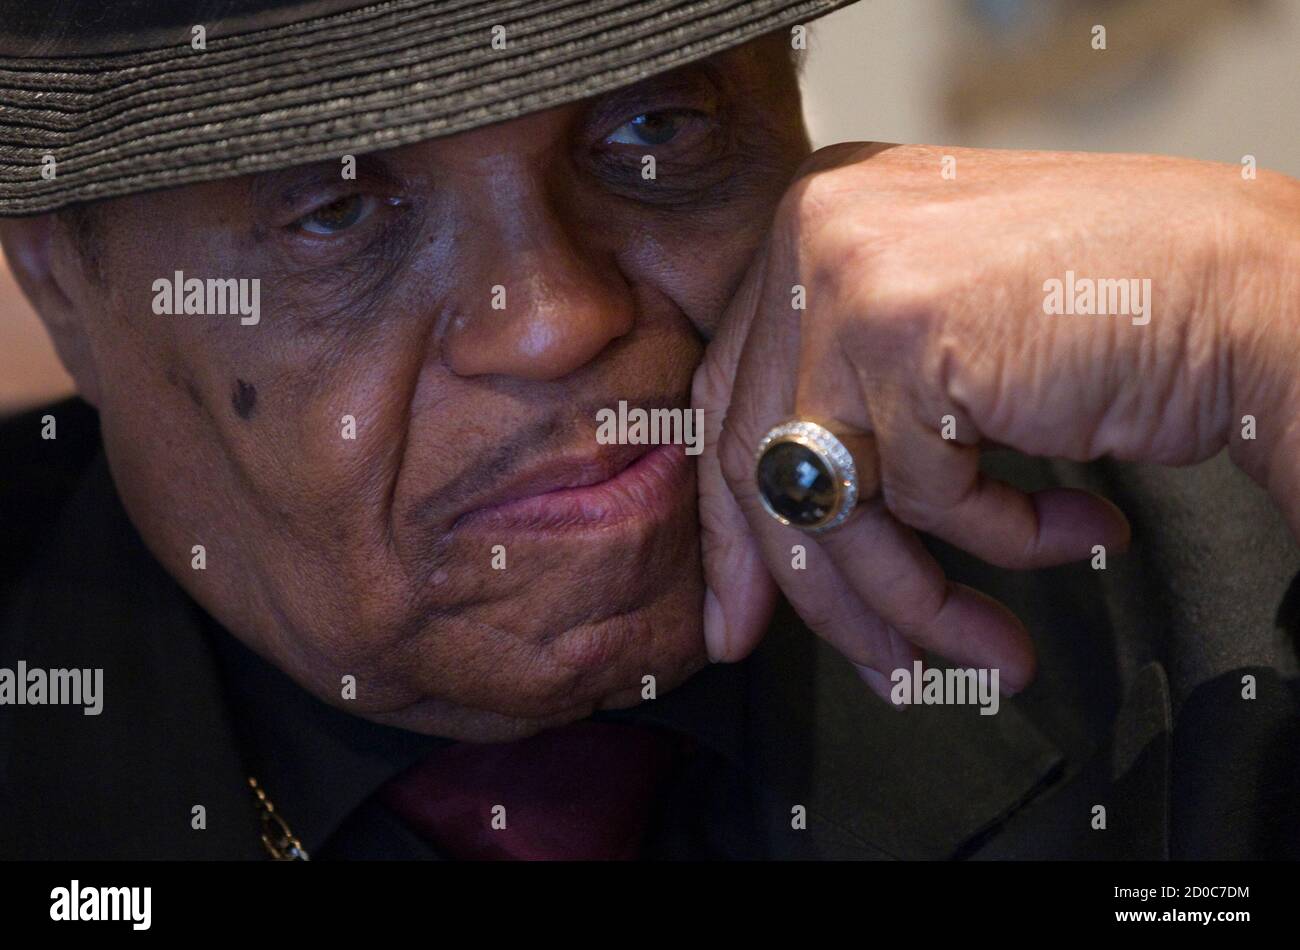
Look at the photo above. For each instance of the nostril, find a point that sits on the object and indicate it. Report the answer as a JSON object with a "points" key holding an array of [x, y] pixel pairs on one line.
{"points": [[542, 332]]}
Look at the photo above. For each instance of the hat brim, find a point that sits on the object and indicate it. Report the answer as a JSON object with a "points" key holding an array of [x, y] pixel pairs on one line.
{"points": [[374, 78]]}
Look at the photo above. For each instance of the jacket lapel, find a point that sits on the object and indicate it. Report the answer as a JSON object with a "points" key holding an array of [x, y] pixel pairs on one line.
{"points": [[126, 783], [927, 782]]}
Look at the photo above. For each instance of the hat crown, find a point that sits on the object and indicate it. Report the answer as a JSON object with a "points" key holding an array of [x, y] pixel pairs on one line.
{"points": [[106, 98], [74, 28]]}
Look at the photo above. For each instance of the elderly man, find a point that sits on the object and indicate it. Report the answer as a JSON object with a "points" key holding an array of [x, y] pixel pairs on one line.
{"points": [[347, 292]]}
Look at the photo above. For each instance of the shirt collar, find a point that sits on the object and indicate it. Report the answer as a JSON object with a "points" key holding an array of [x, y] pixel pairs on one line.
{"points": [[317, 763]]}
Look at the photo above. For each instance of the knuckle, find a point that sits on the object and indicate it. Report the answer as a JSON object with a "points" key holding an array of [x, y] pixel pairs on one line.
{"points": [[831, 156], [828, 615], [899, 328], [711, 386], [816, 615], [917, 602], [902, 295], [905, 503], [878, 284], [817, 204], [917, 625], [903, 300]]}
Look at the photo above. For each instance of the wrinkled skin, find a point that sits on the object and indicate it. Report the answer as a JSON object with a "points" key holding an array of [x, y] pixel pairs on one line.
{"points": [[924, 300], [336, 557]]}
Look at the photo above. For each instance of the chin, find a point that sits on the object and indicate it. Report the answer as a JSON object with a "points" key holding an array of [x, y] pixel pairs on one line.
{"points": [[617, 684]]}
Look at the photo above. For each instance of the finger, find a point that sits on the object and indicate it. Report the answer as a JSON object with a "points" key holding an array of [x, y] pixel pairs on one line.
{"points": [[824, 597], [881, 682], [935, 485], [739, 594], [861, 619], [815, 588], [889, 568], [866, 458], [885, 562], [873, 591]]}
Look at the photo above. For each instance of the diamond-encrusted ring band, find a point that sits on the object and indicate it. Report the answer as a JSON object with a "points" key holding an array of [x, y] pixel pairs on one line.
{"points": [[807, 478]]}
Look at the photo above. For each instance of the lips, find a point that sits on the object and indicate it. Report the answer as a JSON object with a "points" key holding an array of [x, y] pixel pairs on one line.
{"points": [[620, 484]]}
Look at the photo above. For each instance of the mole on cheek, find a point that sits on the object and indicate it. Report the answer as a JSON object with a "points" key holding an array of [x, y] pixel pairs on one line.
{"points": [[243, 398]]}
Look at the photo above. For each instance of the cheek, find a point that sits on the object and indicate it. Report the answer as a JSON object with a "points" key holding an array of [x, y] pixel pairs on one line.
{"points": [[274, 452], [697, 264], [287, 458]]}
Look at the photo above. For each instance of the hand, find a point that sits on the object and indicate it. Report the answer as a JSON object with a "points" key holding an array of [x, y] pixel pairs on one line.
{"points": [[925, 305]]}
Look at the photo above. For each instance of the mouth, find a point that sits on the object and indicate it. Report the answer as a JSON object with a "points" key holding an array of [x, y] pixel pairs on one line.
{"points": [[633, 484]]}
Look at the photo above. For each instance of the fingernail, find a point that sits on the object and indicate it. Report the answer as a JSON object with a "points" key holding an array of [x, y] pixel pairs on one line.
{"points": [[715, 628]]}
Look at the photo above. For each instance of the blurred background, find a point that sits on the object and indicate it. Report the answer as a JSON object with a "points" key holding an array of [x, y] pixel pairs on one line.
{"points": [[1212, 79]]}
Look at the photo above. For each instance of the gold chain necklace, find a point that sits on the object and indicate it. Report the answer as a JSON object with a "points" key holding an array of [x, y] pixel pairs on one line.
{"points": [[281, 843]]}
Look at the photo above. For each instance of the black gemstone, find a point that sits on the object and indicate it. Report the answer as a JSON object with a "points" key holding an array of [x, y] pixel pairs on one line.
{"points": [[796, 484]]}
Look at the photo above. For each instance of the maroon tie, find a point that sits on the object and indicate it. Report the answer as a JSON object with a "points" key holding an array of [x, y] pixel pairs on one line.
{"points": [[580, 792]]}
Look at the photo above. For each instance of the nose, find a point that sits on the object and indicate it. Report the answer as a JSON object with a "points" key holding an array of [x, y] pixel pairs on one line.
{"points": [[537, 304]]}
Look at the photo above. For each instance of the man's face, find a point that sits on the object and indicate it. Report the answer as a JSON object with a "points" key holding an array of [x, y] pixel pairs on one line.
{"points": [[378, 557]]}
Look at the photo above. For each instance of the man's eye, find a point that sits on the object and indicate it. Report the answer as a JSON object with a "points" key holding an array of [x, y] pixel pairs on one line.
{"points": [[649, 128], [337, 216]]}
